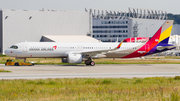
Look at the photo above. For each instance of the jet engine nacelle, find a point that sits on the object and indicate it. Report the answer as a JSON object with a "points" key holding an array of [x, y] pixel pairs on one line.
{"points": [[75, 58]]}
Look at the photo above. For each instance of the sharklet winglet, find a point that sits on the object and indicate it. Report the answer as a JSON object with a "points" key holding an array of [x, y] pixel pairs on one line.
{"points": [[120, 44]]}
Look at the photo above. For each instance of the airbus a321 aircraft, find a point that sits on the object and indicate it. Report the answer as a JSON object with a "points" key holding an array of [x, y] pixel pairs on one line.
{"points": [[78, 52]]}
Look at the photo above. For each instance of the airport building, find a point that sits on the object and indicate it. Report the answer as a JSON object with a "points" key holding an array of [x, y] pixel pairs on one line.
{"points": [[34, 26], [176, 29], [108, 25]]}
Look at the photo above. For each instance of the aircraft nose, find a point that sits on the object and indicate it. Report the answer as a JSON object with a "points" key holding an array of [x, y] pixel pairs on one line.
{"points": [[7, 52]]}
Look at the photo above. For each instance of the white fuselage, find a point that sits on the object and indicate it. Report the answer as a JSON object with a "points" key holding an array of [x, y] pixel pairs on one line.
{"points": [[61, 50]]}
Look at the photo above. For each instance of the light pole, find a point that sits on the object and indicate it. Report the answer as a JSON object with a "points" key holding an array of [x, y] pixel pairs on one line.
{"points": [[146, 31]]}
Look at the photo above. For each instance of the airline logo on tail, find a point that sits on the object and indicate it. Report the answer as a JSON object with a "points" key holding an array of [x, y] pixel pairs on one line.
{"points": [[160, 38]]}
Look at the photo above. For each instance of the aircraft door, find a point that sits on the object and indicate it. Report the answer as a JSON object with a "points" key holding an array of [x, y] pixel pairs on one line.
{"points": [[147, 48], [25, 47], [79, 48]]}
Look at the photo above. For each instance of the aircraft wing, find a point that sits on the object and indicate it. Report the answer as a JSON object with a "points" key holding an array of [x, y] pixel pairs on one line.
{"points": [[95, 52]]}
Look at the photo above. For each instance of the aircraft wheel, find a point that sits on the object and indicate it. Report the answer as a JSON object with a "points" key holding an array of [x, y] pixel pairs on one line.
{"points": [[92, 63], [16, 64]]}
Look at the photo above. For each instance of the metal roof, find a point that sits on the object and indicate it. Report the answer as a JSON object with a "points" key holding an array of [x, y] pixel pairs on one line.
{"points": [[67, 38]]}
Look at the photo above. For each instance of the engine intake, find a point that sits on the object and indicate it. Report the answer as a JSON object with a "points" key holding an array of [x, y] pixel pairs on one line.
{"points": [[74, 58]]}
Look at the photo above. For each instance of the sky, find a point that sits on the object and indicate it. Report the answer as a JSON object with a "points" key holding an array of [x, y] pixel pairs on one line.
{"points": [[171, 6]]}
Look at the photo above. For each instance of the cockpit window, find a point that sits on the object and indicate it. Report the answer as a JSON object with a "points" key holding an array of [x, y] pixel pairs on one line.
{"points": [[14, 47]]}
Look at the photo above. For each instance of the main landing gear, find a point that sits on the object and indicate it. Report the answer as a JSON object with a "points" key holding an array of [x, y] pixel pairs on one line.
{"points": [[89, 62]]}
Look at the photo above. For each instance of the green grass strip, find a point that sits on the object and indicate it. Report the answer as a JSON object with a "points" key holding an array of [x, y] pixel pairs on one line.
{"points": [[92, 89], [5, 71]]}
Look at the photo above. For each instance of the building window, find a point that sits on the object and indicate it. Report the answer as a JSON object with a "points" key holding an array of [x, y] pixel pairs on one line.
{"points": [[120, 35], [125, 36], [110, 27], [113, 40], [114, 22], [110, 31], [114, 35]]}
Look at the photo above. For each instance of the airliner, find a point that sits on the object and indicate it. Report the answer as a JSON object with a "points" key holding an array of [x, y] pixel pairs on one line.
{"points": [[79, 52]]}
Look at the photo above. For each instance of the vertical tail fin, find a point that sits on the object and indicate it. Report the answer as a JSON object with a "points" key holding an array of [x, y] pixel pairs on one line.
{"points": [[163, 34], [160, 38]]}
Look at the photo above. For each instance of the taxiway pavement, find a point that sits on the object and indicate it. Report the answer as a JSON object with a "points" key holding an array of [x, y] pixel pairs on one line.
{"points": [[97, 71]]}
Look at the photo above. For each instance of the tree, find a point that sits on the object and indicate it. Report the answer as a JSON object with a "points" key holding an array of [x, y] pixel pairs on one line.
{"points": [[176, 18]]}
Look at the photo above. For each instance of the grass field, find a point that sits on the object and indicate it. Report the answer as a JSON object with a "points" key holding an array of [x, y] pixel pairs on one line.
{"points": [[119, 89]]}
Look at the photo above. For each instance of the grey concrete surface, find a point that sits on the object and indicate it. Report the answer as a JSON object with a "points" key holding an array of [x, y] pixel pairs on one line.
{"points": [[1, 69], [97, 71]]}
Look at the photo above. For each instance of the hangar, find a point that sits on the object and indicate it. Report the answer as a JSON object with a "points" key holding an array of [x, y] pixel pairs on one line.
{"points": [[24, 25], [68, 38]]}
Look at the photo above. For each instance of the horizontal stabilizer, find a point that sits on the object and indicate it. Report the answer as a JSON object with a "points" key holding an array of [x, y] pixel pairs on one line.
{"points": [[165, 47]]}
